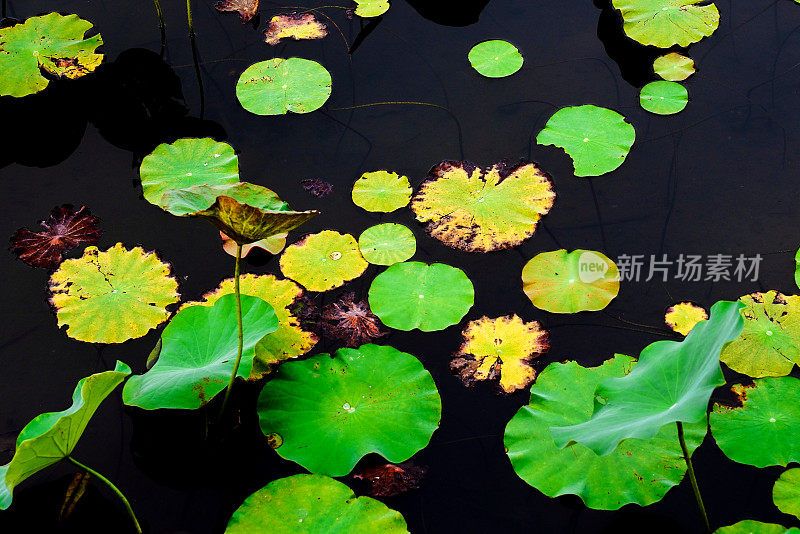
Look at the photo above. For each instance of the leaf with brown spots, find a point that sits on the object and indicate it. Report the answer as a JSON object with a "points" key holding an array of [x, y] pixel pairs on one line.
{"points": [[389, 480], [683, 316], [272, 244], [64, 229], [246, 8], [350, 321], [296, 26]]}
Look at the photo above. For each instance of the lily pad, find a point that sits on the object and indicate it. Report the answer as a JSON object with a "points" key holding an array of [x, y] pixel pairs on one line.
{"points": [[674, 67], [313, 504], [53, 44], [764, 430], [501, 348], [381, 191], [569, 282], [786, 492], [495, 58], [797, 268], [329, 412], [749, 526], [51, 437], [277, 86], [185, 163], [297, 26], [112, 296], [193, 368], [323, 261], [246, 9], [683, 316], [672, 382], [64, 229], [597, 139], [412, 295], [470, 209], [639, 471], [387, 244], [663, 98], [371, 8], [665, 23]]}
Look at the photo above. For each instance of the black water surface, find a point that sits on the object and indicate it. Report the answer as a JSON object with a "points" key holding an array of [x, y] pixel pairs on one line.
{"points": [[718, 178]]}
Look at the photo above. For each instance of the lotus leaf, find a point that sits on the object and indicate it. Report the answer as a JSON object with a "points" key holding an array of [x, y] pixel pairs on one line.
{"points": [[277, 86], [52, 436], [673, 67], [764, 430], [672, 382], [569, 282], [663, 98], [64, 229], [389, 480], [381, 191], [198, 351], [323, 261], [313, 504], [471, 209], [246, 9], [664, 23], [640, 471], [52, 44], [748, 526], [328, 412], [683, 316], [797, 268], [495, 59], [273, 244], [501, 348], [412, 295], [371, 8], [597, 139], [296, 26], [112, 296], [786, 492], [387, 244]]}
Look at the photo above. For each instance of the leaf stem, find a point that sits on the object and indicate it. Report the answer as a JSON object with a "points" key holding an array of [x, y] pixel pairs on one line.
{"points": [[195, 58], [239, 324], [692, 477], [113, 488], [161, 25]]}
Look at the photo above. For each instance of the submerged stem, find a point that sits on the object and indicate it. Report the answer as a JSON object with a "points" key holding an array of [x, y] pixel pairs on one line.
{"points": [[239, 324], [195, 58], [692, 477], [113, 488], [161, 25]]}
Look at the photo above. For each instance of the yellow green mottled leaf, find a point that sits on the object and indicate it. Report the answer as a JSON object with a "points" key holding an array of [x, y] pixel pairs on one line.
{"points": [[673, 67], [664, 23], [683, 316], [296, 26], [786, 492], [382, 191], [387, 244], [371, 8], [323, 261], [272, 244]]}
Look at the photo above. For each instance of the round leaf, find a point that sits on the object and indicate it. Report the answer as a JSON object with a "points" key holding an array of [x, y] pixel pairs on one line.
{"points": [[323, 261], [371, 8], [663, 98], [786, 492], [297, 26], [748, 526], [328, 412], [683, 316], [412, 295], [495, 59], [673, 67], [387, 244], [278, 86], [664, 23], [381, 191]]}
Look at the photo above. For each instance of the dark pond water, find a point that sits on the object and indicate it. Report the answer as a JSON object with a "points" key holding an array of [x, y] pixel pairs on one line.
{"points": [[718, 178]]}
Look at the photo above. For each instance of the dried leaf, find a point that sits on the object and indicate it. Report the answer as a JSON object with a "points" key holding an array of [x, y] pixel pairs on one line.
{"points": [[388, 480], [246, 8], [296, 26], [74, 493], [350, 321], [272, 244], [683, 316], [64, 229], [316, 187]]}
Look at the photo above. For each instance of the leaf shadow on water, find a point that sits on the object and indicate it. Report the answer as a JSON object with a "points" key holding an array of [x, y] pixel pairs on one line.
{"points": [[450, 12]]}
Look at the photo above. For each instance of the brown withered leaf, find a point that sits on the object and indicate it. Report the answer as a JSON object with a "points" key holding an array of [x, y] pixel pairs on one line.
{"points": [[64, 229], [246, 8], [350, 321], [296, 26], [75, 491], [389, 480]]}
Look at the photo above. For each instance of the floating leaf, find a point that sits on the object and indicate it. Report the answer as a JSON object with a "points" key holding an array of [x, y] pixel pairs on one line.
{"points": [[350, 321], [664, 23], [569, 282], [198, 351], [318, 188], [64, 229], [381, 191], [764, 430], [390, 480], [471, 209], [749, 526], [51, 44], [663, 98], [639, 471], [412, 295], [52, 436], [278, 86], [313, 504], [683, 316], [246, 9], [296, 26], [597, 139], [112, 296], [273, 244], [672, 382], [674, 67], [786, 492], [387, 244], [332, 411], [797, 268], [371, 8], [500, 348], [185, 163], [495, 59], [323, 261]]}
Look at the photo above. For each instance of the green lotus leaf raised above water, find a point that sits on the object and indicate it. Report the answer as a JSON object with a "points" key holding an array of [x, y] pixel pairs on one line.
{"points": [[387, 244], [749, 526], [786, 492], [663, 98], [323, 261], [278, 86], [495, 58], [665, 23]]}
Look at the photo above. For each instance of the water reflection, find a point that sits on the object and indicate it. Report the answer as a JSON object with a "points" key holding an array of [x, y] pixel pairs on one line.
{"points": [[450, 12]]}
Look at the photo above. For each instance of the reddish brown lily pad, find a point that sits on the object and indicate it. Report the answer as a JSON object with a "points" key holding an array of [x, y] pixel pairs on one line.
{"points": [[64, 229], [350, 321], [296, 26], [246, 8], [388, 480]]}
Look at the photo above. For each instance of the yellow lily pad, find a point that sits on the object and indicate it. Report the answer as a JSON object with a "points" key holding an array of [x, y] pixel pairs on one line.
{"points": [[683, 316], [381, 191], [323, 261], [295, 26]]}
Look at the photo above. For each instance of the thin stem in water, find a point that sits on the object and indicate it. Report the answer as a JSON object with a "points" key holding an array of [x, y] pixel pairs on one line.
{"points": [[239, 324], [195, 58], [687, 457], [161, 25]]}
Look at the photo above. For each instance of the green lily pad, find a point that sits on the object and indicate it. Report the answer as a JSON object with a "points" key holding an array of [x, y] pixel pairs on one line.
{"points": [[186, 163], [381, 191], [672, 382], [198, 351], [51, 437], [495, 58], [51, 43], [387, 244], [313, 504], [597, 139], [797, 268], [278, 86], [112, 296], [328, 412], [569, 282], [323, 261], [664, 23], [663, 98], [639, 471], [749, 526], [412, 295], [764, 430], [371, 8], [786, 492], [673, 67]]}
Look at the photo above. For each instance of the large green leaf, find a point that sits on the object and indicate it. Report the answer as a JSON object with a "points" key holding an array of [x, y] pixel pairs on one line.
{"points": [[51, 43], [495, 58], [663, 98], [412, 295], [328, 412], [52, 436], [277, 86], [313, 504], [749, 526], [664, 23], [639, 471], [672, 382], [198, 351], [323, 261], [765, 430], [786, 492]]}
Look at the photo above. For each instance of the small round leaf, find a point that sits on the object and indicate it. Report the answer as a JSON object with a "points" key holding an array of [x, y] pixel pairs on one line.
{"points": [[387, 244], [683, 316], [323, 261], [381, 191], [673, 67], [663, 98], [495, 59], [371, 8], [278, 86]]}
